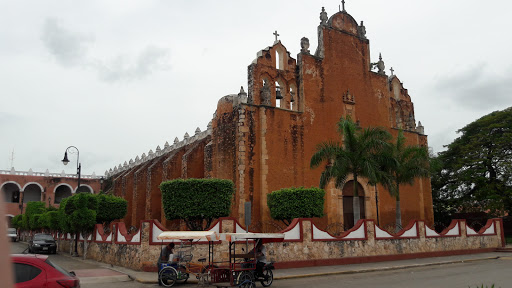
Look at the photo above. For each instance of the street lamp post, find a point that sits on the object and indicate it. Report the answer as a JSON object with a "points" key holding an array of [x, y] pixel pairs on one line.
{"points": [[78, 169], [78, 164]]}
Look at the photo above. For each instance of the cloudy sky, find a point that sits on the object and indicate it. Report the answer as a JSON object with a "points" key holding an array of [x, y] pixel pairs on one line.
{"points": [[117, 78]]}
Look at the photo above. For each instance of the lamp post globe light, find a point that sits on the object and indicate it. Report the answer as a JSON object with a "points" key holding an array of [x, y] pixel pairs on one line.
{"points": [[65, 161]]}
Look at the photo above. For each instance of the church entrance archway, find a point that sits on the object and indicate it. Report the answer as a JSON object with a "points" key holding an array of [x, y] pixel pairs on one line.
{"points": [[348, 207]]}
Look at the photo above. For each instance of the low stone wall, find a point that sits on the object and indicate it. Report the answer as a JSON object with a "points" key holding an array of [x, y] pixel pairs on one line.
{"points": [[304, 244]]}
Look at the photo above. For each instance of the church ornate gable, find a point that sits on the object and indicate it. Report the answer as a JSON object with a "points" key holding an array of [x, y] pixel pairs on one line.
{"points": [[402, 108], [272, 78]]}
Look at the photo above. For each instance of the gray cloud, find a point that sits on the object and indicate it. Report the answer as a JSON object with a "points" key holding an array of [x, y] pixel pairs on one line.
{"points": [[68, 48], [150, 60], [477, 88]]}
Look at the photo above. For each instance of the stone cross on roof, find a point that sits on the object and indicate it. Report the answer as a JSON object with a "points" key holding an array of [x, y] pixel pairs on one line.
{"points": [[275, 34], [392, 70], [343, 5]]}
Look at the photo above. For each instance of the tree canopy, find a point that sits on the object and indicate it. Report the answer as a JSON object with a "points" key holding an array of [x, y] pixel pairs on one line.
{"points": [[476, 170], [289, 203]]}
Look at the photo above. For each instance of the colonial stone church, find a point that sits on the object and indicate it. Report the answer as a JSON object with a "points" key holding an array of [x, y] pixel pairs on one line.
{"points": [[263, 140]]}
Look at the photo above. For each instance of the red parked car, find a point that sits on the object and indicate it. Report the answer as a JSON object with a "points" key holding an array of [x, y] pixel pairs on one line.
{"points": [[39, 271]]}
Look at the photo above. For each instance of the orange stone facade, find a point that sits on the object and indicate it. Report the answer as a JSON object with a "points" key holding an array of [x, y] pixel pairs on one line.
{"points": [[263, 140]]}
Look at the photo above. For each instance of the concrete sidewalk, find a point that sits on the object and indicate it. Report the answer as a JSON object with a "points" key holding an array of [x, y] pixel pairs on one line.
{"points": [[280, 274]]}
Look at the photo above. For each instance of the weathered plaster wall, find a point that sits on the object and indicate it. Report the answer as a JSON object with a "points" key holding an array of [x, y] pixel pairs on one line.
{"points": [[305, 244]]}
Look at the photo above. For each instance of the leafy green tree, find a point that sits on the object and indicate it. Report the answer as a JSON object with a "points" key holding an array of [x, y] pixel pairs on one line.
{"points": [[62, 217], [80, 210], [16, 221], [197, 201], [289, 203], [402, 164], [110, 208], [477, 167], [357, 155], [49, 220], [33, 208], [34, 222]]}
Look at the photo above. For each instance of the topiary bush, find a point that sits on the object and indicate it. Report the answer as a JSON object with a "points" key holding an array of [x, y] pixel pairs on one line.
{"points": [[110, 208], [197, 201], [289, 203]]}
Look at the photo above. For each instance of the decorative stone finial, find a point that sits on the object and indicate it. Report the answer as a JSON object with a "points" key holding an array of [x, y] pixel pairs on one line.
{"points": [[166, 145], [176, 140], [209, 127], [362, 31], [380, 65], [120, 167], [30, 172], [304, 45], [348, 97], [323, 17], [143, 156], [420, 129], [186, 136], [130, 162], [242, 96], [46, 173], [106, 173], [150, 153], [197, 131], [158, 149], [110, 170], [125, 164], [115, 169]]}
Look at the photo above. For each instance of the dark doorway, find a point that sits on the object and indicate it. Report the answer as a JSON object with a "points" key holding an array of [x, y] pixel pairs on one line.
{"points": [[348, 198]]}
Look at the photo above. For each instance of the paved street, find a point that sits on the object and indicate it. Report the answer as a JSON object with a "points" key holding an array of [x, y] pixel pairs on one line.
{"points": [[487, 272], [466, 274]]}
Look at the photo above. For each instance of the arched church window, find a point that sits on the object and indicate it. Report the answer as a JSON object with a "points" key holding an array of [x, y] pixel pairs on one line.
{"points": [[279, 96]]}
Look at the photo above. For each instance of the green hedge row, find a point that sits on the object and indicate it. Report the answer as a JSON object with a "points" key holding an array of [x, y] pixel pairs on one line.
{"points": [[289, 203]]}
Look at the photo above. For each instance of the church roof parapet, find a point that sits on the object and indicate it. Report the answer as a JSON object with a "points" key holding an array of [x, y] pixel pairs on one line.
{"points": [[199, 135]]}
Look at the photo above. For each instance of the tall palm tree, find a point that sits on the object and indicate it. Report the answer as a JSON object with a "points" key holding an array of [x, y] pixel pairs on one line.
{"points": [[401, 164], [356, 155]]}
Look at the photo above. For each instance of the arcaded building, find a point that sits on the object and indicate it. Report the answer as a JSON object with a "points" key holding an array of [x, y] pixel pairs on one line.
{"points": [[263, 140]]}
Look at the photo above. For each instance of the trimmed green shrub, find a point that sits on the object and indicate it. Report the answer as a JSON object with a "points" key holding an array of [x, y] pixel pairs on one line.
{"points": [[289, 203], [197, 201], [110, 208]]}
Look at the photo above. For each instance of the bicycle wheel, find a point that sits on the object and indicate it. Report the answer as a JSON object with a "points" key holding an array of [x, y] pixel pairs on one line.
{"points": [[268, 278], [182, 276], [245, 280], [167, 277]]}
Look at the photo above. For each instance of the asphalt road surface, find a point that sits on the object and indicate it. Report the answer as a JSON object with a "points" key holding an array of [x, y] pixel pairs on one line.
{"points": [[469, 274]]}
